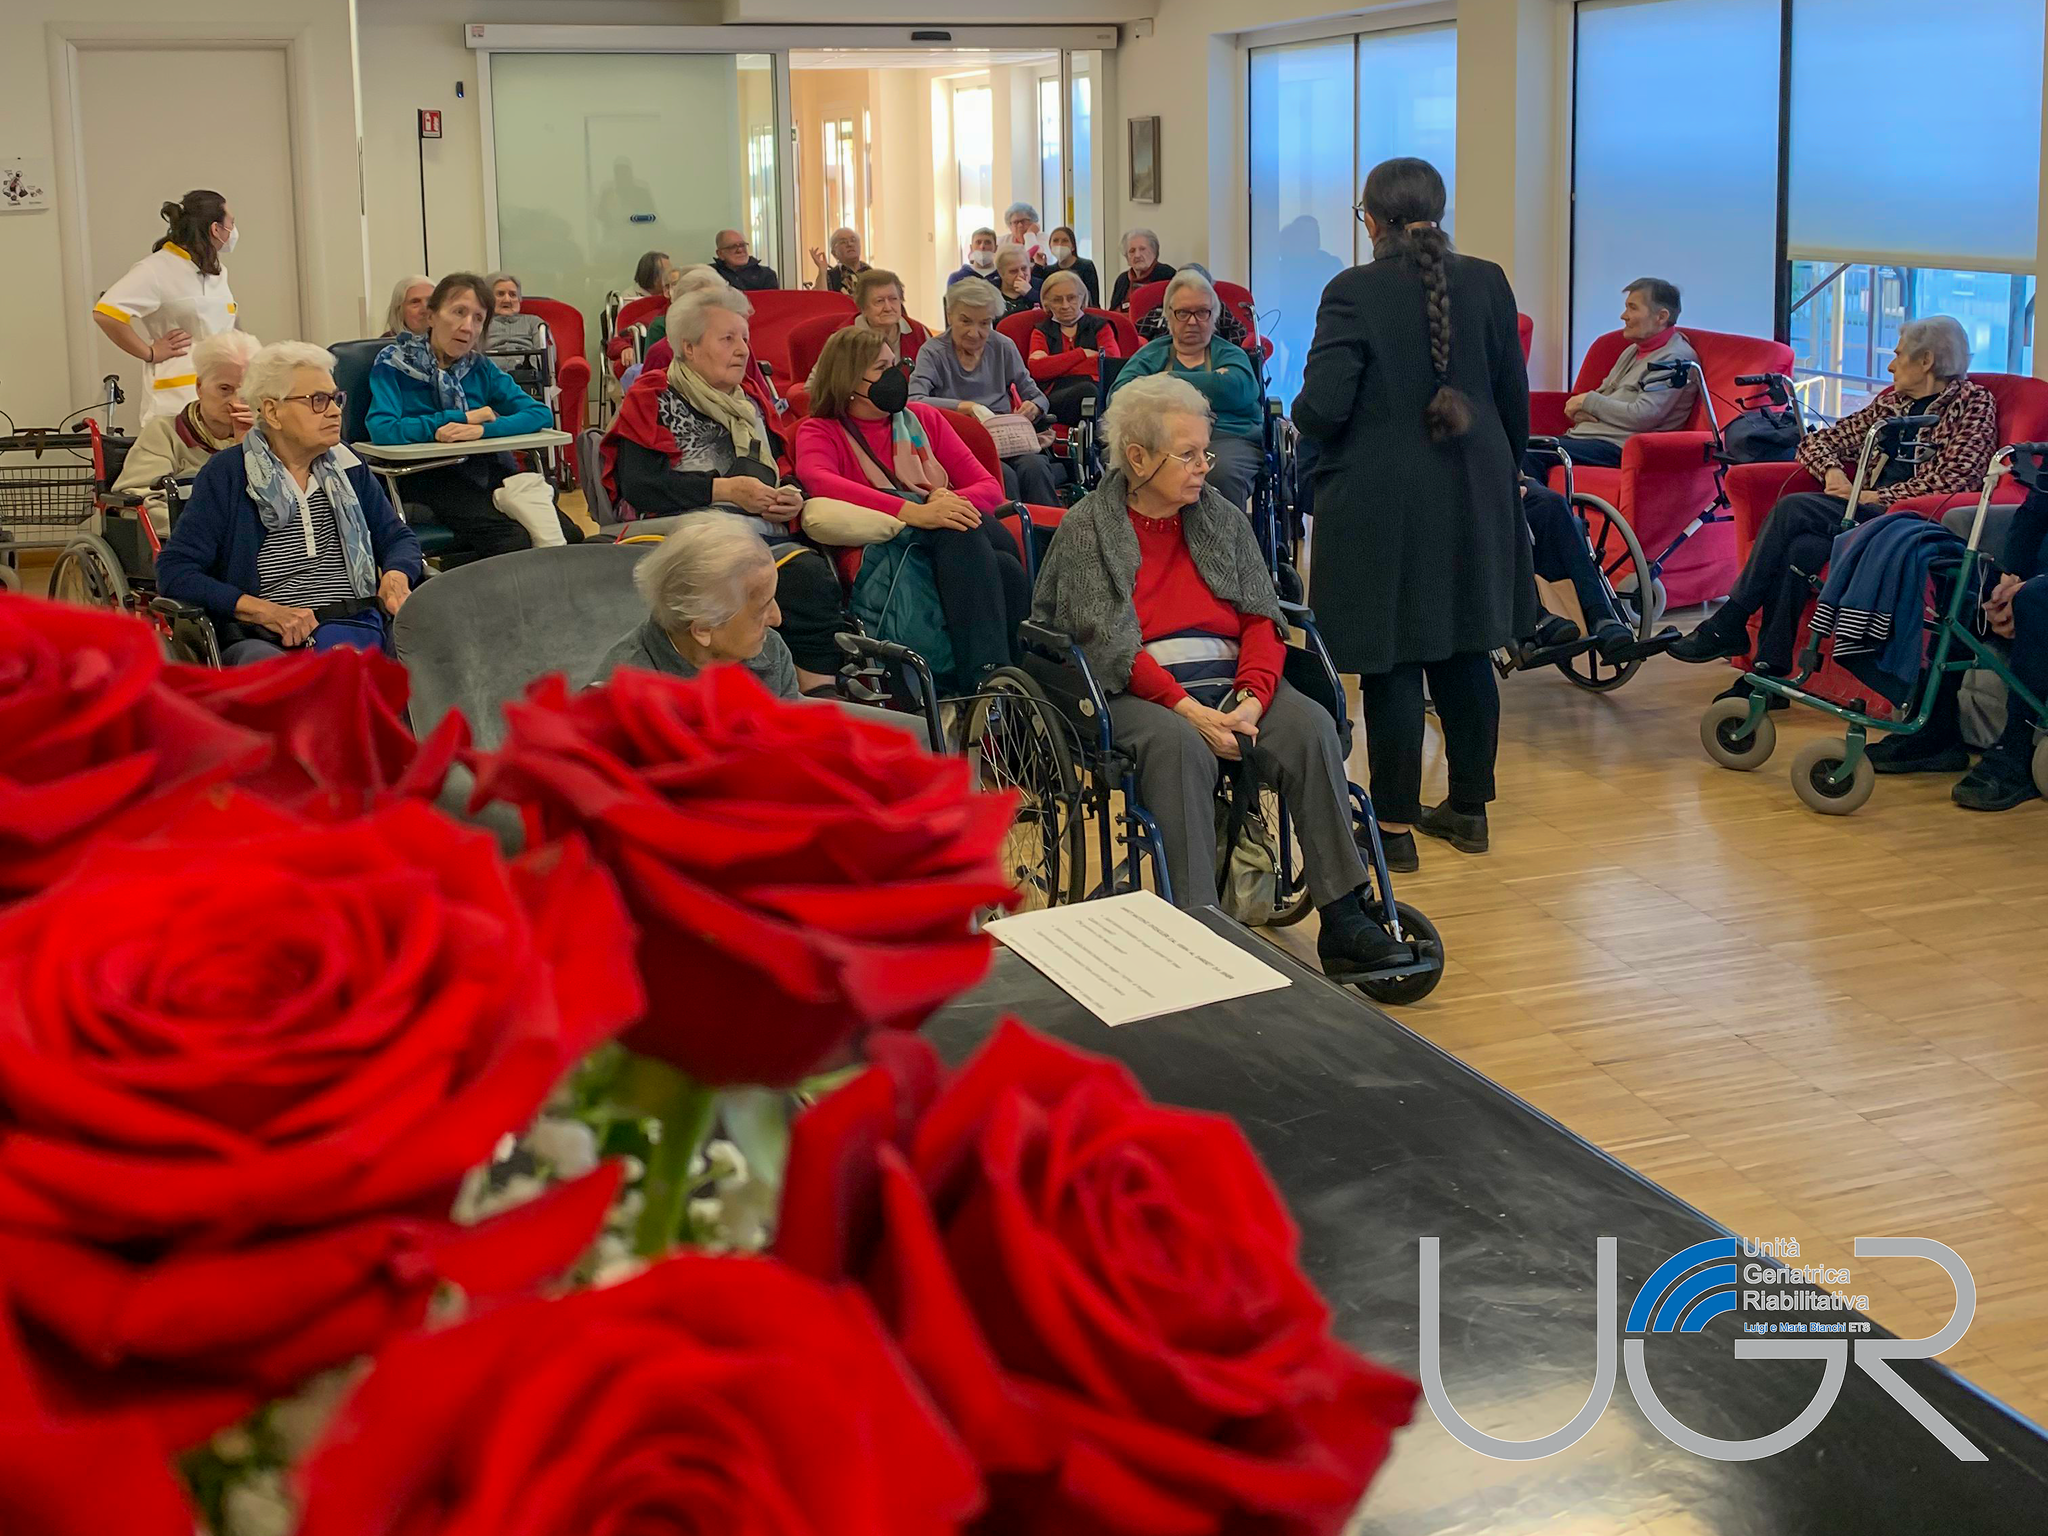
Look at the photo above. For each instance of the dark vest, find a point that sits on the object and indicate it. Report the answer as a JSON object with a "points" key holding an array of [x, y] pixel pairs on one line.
{"points": [[1087, 333]]}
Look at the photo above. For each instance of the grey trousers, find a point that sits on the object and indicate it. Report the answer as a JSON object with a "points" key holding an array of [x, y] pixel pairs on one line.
{"points": [[1238, 462], [1296, 753]]}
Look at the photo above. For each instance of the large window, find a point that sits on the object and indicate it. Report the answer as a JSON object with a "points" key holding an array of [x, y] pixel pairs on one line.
{"points": [[842, 200], [1052, 201], [1889, 213], [1398, 94], [974, 152]]}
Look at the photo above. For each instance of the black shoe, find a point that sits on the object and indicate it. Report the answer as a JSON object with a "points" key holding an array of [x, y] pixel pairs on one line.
{"points": [[2000, 781], [1740, 689], [1465, 833], [1615, 642], [1709, 643], [1917, 754], [1352, 944], [1553, 629], [1641, 650], [1399, 848]]}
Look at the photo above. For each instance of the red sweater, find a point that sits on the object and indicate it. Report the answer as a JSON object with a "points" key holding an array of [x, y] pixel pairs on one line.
{"points": [[1171, 598], [826, 464], [1047, 365]]}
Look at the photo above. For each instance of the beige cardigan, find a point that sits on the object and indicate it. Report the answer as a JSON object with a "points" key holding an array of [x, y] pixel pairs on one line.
{"points": [[162, 450]]}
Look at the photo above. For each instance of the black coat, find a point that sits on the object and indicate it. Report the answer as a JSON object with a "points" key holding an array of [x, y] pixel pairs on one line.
{"points": [[1421, 550]]}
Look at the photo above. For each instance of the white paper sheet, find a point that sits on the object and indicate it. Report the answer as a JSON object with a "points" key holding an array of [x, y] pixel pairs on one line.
{"points": [[1126, 958]]}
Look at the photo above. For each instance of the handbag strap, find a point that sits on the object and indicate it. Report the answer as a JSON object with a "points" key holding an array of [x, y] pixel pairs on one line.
{"points": [[860, 447]]}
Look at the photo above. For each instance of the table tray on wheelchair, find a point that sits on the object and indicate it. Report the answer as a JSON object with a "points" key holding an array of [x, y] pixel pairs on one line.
{"points": [[416, 453]]}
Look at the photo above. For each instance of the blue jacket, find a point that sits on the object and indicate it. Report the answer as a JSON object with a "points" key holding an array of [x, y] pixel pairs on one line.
{"points": [[1874, 595], [406, 410], [210, 557]]}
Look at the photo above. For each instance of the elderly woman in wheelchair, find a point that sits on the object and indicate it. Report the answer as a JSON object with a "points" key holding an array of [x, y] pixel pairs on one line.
{"points": [[1160, 585], [288, 540]]}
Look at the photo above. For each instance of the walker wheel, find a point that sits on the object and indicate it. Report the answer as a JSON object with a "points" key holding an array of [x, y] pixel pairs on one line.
{"points": [[1720, 729], [2041, 765], [1399, 991], [1814, 781]]}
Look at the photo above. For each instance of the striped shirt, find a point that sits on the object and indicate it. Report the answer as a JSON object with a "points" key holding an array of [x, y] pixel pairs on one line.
{"points": [[302, 564]]}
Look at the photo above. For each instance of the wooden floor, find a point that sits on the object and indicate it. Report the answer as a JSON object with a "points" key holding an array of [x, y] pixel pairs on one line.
{"points": [[1809, 1027]]}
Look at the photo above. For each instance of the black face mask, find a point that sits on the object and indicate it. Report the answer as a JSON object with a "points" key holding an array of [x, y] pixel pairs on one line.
{"points": [[890, 393]]}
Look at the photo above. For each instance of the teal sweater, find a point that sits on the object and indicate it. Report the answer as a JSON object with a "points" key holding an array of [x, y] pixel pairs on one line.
{"points": [[1231, 386], [406, 410]]}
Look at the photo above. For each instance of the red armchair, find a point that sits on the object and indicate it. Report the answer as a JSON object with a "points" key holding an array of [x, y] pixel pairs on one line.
{"points": [[983, 447], [1526, 329], [1667, 479], [572, 367], [1145, 298], [1018, 328], [777, 314]]}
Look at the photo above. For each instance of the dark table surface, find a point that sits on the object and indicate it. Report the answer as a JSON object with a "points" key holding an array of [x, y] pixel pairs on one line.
{"points": [[1378, 1138]]}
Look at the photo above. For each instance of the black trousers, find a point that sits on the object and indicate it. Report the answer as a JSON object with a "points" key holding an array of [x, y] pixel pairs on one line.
{"points": [[1792, 545], [1033, 478], [1562, 553], [1467, 695], [1601, 452], [808, 593], [1067, 396], [459, 496], [983, 590]]}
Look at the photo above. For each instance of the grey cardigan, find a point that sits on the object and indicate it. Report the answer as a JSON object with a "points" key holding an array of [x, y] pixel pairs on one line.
{"points": [[650, 648], [938, 379], [1085, 585], [1621, 407]]}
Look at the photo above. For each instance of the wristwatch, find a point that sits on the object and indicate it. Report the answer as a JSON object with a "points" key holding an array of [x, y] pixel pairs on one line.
{"points": [[1241, 695]]}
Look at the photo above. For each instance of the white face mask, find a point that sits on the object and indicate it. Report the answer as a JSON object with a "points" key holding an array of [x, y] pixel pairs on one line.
{"points": [[228, 245], [982, 261], [1062, 251]]}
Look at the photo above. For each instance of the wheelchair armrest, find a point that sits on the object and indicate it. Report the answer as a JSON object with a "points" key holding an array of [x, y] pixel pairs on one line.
{"points": [[1297, 614], [176, 608], [1050, 643]]}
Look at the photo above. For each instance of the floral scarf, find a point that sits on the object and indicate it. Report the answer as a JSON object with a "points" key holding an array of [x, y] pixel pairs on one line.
{"points": [[277, 502], [413, 355], [918, 471]]}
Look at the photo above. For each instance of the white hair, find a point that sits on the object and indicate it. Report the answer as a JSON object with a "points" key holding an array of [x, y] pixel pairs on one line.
{"points": [[690, 314], [1137, 414], [394, 317], [1943, 339], [1060, 278], [699, 574], [1142, 233], [269, 375], [496, 278], [224, 349], [1015, 209], [1189, 281], [851, 234], [1007, 248], [975, 295]]}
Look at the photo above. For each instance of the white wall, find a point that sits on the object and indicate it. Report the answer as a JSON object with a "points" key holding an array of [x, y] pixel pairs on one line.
{"points": [[50, 357]]}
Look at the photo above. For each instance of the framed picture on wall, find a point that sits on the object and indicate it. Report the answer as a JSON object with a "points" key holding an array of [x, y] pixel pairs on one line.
{"points": [[1144, 159]]}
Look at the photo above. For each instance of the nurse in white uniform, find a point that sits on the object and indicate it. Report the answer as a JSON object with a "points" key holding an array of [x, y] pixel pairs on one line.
{"points": [[172, 298]]}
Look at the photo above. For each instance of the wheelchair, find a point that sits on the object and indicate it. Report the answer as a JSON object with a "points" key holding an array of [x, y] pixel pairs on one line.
{"points": [[1626, 572], [1042, 732]]}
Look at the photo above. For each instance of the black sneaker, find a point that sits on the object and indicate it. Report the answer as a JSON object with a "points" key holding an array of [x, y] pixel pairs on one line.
{"points": [[1399, 847], [1915, 753], [1351, 944], [1709, 643], [2000, 781], [1465, 833]]}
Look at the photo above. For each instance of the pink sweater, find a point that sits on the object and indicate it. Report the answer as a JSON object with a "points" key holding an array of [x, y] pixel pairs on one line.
{"points": [[827, 466]]}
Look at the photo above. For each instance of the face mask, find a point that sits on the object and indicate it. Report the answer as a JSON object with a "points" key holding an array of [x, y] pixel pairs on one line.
{"points": [[228, 245], [982, 261], [1062, 252], [890, 393]]}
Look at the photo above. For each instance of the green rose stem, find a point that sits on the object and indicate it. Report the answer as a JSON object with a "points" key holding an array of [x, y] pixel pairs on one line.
{"points": [[685, 1108]]}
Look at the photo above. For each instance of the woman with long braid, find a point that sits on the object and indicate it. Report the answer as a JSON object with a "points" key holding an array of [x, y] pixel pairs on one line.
{"points": [[1416, 391]]}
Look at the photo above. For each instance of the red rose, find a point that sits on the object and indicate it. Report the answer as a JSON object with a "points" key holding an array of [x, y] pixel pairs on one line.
{"points": [[91, 742], [798, 874], [1100, 1291], [337, 721], [71, 1477], [726, 1396], [241, 1081]]}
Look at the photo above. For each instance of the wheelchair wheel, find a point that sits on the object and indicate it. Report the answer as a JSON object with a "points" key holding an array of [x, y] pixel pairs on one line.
{"points": [[1718, 727], [1291, 900], [1619, 554], [1399, 991], [1814, 781], [89, 573], [1016, 741]]}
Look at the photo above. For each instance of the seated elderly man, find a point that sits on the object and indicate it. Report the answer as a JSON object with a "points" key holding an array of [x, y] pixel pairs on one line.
{"points": [[1929, 371], [511, 331], [981, 258], [1221, 370], [689, 439], [976, 368], [838, 275], [179, 446], [739, 266], [879, 297], [1604, 418], [1159, 581], [288, 540], [710, 592]]}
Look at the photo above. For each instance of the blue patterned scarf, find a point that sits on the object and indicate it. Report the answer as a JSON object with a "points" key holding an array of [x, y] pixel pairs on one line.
{"points": [[413, 355], [277, 502]]}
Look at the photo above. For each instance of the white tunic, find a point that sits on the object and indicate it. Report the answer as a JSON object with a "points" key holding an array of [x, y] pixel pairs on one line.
{"points": [[161, 293]]}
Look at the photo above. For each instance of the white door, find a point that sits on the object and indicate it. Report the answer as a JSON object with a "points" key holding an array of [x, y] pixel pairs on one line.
{"points": [[136, 118]]}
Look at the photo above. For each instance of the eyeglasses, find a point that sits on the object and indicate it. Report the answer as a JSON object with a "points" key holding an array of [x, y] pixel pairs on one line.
{"points": [[318, 401], [1358, 212], [1196, 456], [1182, 316]]}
